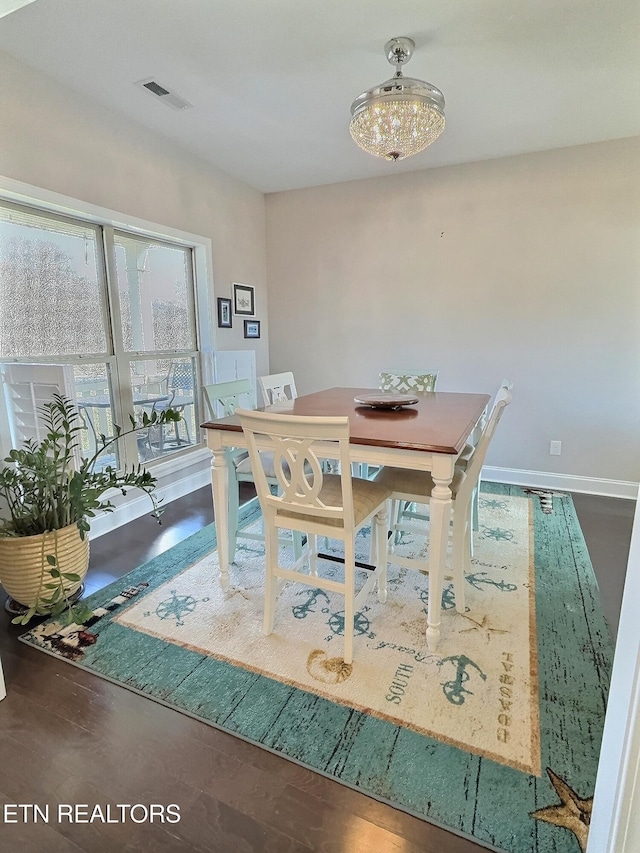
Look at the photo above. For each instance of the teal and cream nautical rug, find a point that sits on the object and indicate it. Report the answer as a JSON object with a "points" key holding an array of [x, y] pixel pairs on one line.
{"points": [[495, 735]]}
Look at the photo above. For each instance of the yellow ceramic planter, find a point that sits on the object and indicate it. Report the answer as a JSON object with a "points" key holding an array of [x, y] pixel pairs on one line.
{"points": [[23, 561]]}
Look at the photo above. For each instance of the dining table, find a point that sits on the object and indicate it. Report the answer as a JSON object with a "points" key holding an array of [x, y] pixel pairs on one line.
{"points": [[427, 435]]}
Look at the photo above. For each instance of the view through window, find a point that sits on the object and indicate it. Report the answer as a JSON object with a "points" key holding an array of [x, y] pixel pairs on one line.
{"points": [[116, 311]]}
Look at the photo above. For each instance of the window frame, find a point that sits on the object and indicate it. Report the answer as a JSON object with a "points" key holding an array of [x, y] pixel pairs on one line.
{"points": [[107, 223]]}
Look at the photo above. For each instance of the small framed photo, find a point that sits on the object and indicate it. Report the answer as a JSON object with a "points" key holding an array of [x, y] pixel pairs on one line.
{"points": [[244, 299], [225, 320], [252, 328]]}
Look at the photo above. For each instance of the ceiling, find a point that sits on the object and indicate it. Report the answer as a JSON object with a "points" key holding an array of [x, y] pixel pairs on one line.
{"points": [[271, 81]]}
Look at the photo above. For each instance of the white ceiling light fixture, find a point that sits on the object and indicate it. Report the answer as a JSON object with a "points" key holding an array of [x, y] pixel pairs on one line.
{"points": [[401, 116]]}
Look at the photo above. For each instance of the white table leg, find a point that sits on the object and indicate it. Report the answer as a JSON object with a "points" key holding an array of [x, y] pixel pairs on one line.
{"points": [[3, 692], [220, 489], [440, 515]]}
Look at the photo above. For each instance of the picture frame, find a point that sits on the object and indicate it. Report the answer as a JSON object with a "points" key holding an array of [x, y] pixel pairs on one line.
{"points": [[225, 319], [244, 299], [252, 328]]}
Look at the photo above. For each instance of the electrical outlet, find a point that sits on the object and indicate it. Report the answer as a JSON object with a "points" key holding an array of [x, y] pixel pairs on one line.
{"points": [[555, 448]]}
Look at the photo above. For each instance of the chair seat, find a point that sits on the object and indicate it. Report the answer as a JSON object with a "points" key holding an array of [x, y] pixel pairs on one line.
{"points": [[266, 457], [414, 484], [367, 496]]}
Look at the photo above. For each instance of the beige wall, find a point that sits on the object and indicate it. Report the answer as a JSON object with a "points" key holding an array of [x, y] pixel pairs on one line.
{"points": [[57, 140], [525, 267]]}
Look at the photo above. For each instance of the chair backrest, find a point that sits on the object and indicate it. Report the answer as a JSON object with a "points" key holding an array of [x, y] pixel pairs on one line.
{"points": [[227, 395], [477, 432], [474, 466], [277, 388], [298, 445], [180, 376], [408, 381]]}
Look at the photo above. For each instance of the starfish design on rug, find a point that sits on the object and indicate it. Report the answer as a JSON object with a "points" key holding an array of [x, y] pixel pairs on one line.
{"points": [[572, 812], [482, 626]]}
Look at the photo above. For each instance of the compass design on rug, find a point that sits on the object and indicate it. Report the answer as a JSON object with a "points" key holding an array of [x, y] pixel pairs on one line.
{"points": [[572, 812], [448, 597], [177, 607], [361, 623]]}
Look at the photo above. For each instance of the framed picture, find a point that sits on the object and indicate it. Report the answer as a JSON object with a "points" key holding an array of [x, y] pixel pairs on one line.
{"points": [[225, 320], [244, 299], [252, 328]]}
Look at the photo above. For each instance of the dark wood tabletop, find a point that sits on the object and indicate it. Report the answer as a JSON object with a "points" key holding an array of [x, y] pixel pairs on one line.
{"points": [[440, 422]]}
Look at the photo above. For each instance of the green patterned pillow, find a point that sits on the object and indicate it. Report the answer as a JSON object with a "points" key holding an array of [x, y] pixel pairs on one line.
{"points": [[408, 382]]}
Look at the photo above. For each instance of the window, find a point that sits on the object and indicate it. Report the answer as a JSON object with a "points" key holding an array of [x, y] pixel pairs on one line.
{"points": [[116, 310]]}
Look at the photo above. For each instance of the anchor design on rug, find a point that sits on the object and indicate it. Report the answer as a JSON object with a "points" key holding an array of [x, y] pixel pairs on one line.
{"points": [[177, 607], [572, 812], [301, 611], [478, 578], [454, 690]]}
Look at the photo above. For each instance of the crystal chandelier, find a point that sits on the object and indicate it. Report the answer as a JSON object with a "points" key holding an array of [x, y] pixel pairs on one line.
{"points": [[401, 116]]}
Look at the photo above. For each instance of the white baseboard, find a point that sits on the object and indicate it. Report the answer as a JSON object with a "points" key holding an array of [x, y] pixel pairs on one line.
{"points": [[561, 482], [199, 475]]}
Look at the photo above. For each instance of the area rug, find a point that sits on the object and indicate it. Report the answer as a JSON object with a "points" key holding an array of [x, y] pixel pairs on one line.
{"points": [[494, 736]]}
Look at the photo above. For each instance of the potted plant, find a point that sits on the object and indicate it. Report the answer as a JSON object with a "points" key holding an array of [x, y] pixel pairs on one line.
{"points": [[46, 504]]}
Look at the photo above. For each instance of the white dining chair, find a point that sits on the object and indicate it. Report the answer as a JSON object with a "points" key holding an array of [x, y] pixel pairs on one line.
{"points": [[3, 689], [277, 388], [402, 381], [465, 456], [407, 510], [408, 381], [416, 487], [317, 504], [229, 396]]}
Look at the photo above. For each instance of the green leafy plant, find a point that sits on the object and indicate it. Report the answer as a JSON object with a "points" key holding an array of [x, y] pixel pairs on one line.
{"points": [[43, 491]]}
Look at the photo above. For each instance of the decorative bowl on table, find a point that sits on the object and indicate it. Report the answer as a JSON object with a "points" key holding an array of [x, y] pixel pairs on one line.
{"points": [[383, 400]]}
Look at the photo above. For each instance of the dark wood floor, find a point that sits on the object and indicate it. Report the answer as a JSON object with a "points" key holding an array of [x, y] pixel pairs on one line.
{"points": [[69, 737]]}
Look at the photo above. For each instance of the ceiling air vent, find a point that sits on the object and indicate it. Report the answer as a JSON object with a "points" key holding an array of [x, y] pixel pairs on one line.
{"points": [[163, 94]]}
